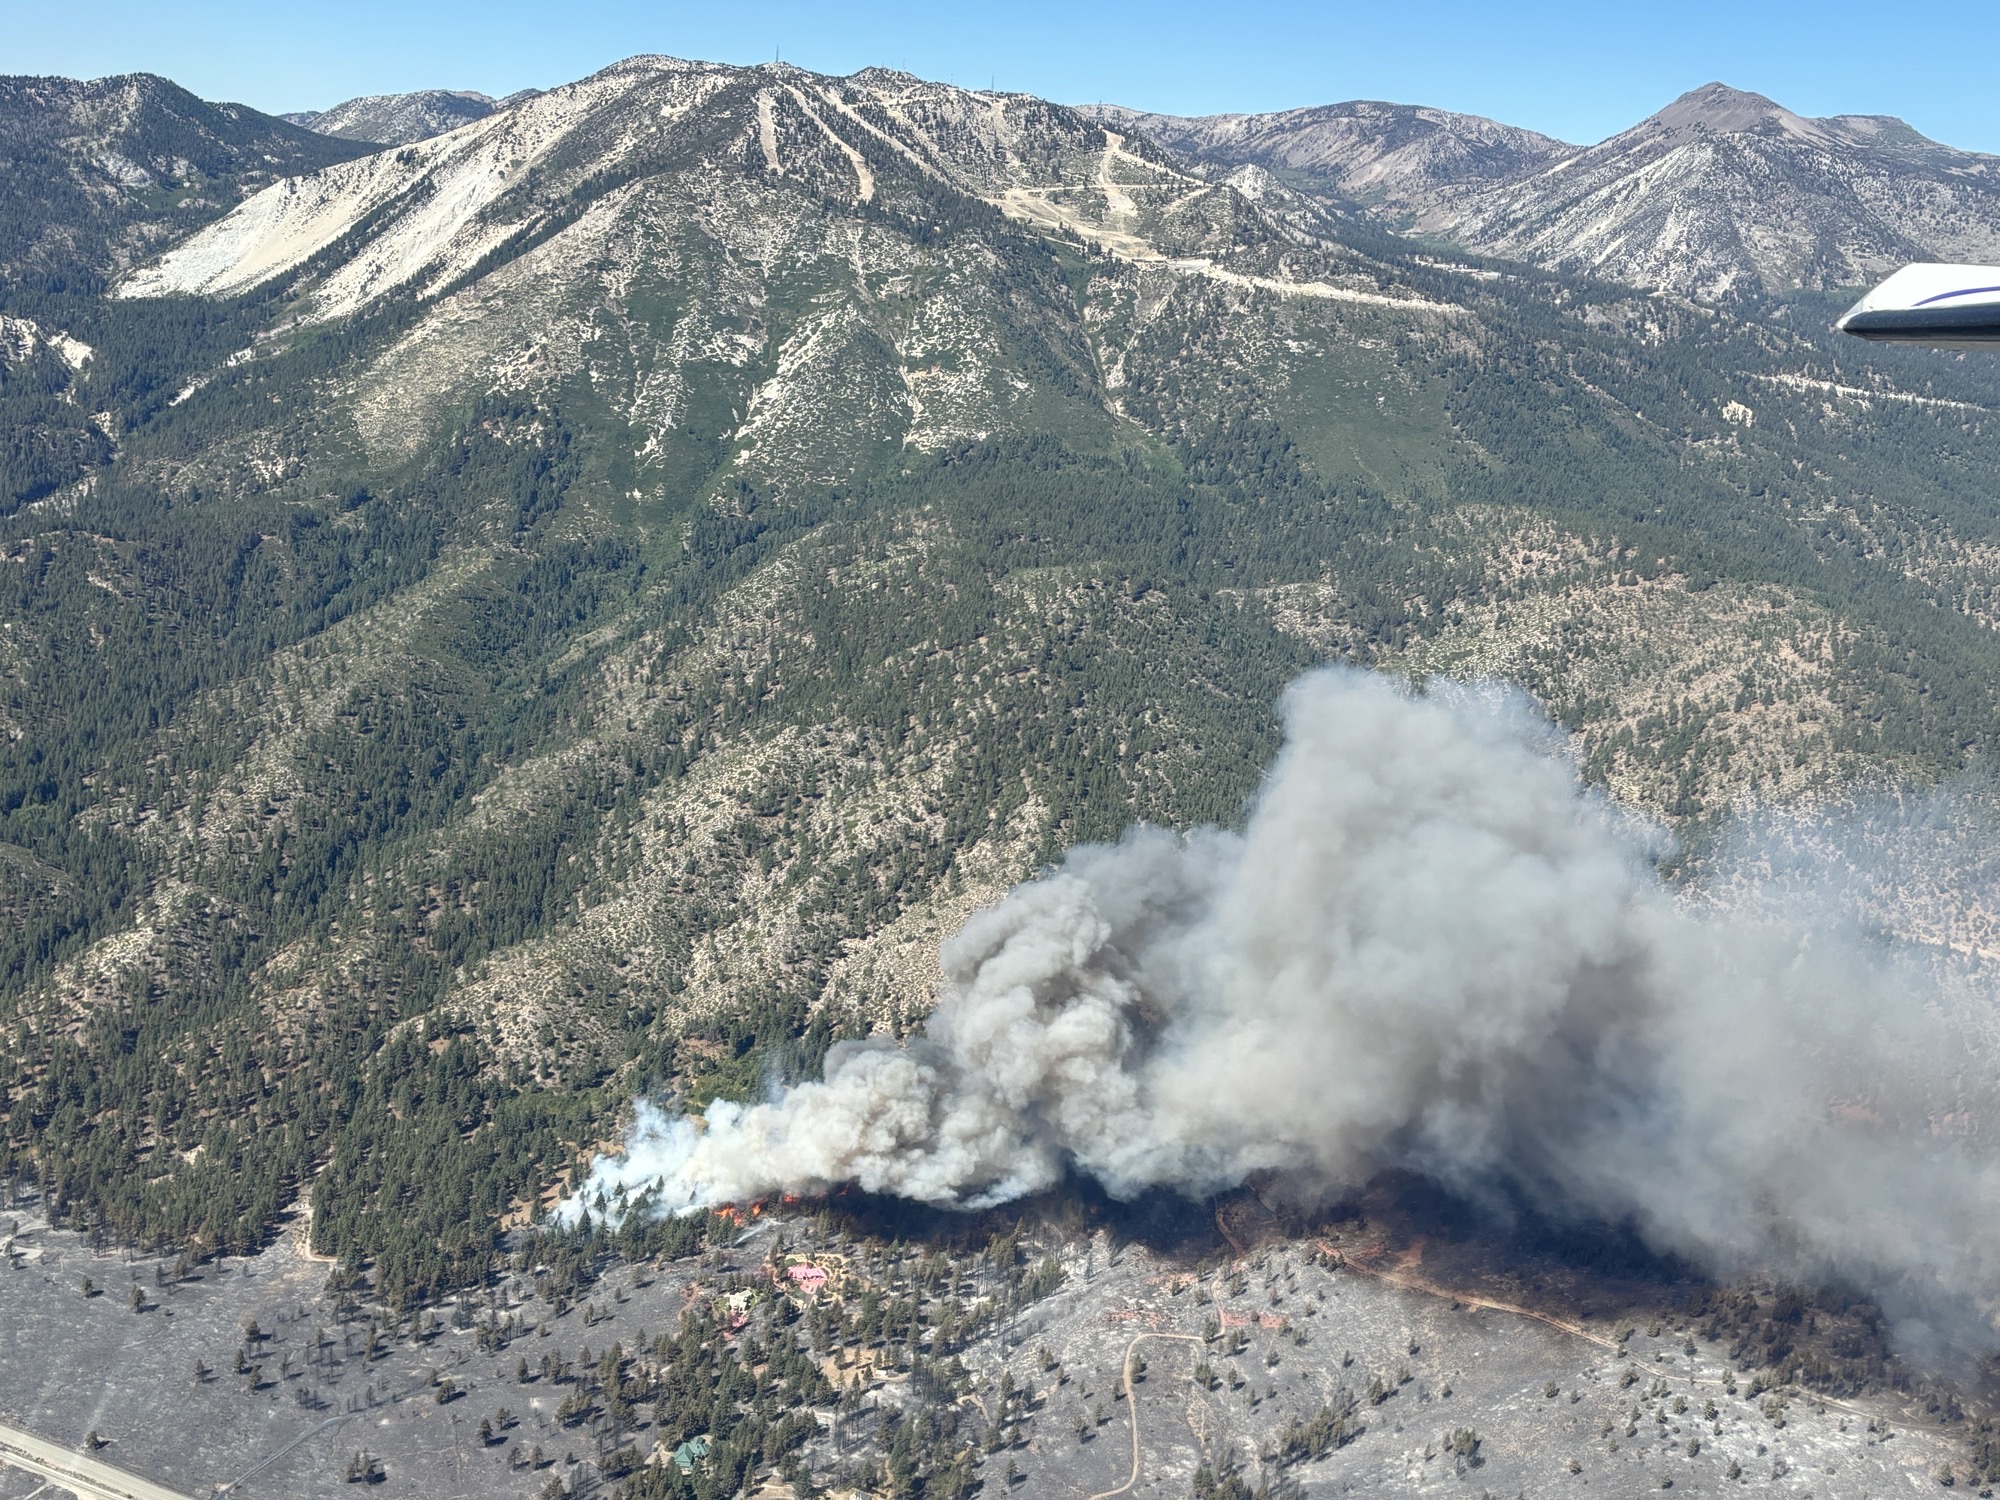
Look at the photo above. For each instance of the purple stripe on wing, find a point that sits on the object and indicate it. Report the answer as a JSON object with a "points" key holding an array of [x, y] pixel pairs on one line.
{"points": [[1971, 291]]}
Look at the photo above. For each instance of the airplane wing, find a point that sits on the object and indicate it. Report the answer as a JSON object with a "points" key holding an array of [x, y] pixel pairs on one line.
{"points": [[1945, 307]]}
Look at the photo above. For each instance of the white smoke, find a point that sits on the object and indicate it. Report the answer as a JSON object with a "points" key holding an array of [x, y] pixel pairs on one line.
{"points": [[1429, 948]]}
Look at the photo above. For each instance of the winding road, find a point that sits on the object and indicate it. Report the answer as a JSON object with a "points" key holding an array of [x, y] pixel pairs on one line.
{"points": [[1132, 1404]]}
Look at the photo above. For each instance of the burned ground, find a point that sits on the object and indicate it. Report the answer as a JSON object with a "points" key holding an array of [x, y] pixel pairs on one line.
{"points": [[1397, 1345]]}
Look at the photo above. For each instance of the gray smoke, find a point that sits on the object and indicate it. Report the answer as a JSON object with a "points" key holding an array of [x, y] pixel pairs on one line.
{"points": [[1429, 948]]}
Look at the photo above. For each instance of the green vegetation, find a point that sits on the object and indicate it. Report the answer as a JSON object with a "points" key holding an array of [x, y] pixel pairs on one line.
{"points": [[405, 764]]}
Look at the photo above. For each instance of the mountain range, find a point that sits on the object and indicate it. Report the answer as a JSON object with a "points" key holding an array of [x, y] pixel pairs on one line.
{"points": [[583, 601], [1744, 195], [1722, 193]]}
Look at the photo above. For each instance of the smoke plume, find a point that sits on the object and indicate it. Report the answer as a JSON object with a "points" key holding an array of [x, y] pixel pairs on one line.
{"points": [[1429, 948]]}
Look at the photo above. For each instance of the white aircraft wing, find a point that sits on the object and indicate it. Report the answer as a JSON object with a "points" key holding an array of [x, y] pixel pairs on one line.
{"points": [[1945, 307]]}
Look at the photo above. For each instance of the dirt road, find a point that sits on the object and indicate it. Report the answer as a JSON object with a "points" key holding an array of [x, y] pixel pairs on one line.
{"points": [[1132, 1404]]}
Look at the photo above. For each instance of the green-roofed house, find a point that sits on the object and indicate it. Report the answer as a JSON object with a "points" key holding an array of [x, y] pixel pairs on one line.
{"points": [[686, 1455]]}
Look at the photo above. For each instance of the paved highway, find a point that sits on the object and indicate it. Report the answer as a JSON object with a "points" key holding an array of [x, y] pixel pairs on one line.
{"points": [[91, 1478]]}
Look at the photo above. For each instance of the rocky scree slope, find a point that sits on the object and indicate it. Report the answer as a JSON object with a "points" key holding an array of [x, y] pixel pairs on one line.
{"points": [[101, 174], [597, 594], [1721, 194]]}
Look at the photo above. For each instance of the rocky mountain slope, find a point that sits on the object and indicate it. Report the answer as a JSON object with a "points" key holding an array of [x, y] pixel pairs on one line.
{"points": [[97, 176], [399, 119], [1724, 192], [1721, 194], [1402, 161], [100, 174], [584, 602]]}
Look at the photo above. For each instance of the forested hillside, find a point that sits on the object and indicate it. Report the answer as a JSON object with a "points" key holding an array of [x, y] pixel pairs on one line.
{"points": [[582, 604], [94, 177]]}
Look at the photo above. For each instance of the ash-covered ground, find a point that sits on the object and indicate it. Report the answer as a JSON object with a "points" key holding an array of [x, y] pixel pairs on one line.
{"points": [[1358, 1358]]}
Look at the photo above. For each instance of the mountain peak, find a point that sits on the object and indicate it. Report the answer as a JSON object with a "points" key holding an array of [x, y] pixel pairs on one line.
{"points": [[1399, 159], [1718, 109], [399, 119]]}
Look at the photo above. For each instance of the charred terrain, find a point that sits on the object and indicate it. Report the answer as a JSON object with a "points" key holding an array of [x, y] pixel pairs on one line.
{"points": [[578, 605], [1393, 1346]]}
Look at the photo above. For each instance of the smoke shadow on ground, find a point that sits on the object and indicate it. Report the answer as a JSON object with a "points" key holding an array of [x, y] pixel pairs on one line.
{"points": [[880, 1216], [1507, 1248], [1164, 1221], [1496, 1249], [1592, 1276], [1501, 1246]]}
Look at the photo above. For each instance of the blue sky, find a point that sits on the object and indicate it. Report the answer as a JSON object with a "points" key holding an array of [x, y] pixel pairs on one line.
{"points": [[1579, 71]]}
